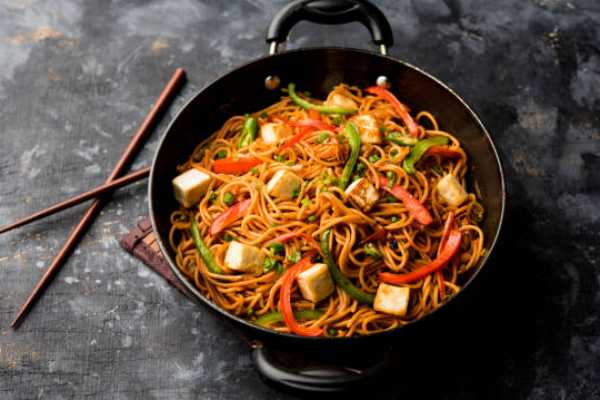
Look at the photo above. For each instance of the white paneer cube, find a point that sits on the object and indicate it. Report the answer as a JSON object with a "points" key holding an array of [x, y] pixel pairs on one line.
{"points": [[392, 299], [315, 283], [368, 128], [243, 257], [190, 187], [284, 184], [339, 100], [273, 133], [362, 194], [451, 191]]}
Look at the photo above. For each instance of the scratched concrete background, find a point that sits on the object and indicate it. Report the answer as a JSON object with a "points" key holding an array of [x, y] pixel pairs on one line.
{"points": [[77, 77]]}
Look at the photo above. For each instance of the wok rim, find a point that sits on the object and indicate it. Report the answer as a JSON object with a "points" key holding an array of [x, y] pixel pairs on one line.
{"points": [[321, 339]]}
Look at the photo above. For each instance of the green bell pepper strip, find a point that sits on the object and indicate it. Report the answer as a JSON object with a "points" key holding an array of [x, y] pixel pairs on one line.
{"points": [[275, 316], [204, 251], [400, 139], [353, 136], [320, 108], [248, 132], [338, 277], [419, 150]]}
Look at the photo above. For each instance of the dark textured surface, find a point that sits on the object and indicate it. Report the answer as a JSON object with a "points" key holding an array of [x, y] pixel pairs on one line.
{"points": [[77, 77]]}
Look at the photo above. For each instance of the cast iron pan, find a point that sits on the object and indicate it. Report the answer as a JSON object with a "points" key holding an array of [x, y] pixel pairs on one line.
{"points": [[318, 70]]}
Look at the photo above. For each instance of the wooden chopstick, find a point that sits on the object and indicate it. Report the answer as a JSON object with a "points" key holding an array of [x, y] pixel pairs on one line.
{"points": [[163, 101], [80, 198]]}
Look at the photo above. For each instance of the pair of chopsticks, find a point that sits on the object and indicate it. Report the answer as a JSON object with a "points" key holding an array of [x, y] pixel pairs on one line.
{"points": [[113, 182]]}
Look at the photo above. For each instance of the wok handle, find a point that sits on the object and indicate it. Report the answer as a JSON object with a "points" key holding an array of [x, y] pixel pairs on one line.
{"points": [[330, 12], [319, 376]]}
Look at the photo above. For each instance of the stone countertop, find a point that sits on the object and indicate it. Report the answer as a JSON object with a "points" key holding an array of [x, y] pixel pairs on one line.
{"points": [[76, 78]]}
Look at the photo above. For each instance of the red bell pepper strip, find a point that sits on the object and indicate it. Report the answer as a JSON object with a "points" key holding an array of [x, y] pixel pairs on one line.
{"points": [[314, 124], [444, 151], [307, 125], [235, 167], [289, 236], [285, 304], [449, 250], [415, 208], [229, 216], [400, 108], [296, 138]]}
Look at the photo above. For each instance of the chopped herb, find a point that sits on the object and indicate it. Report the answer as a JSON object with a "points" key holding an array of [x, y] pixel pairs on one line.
{"points": [[355, 177], [322, 137], [228, 199], [254, 170], [279, 158], [330, 180], [391, 177], [295, 257], [360, 168], [373, 158], [249, 311], [337, 119], [332, 332], [342, 139], [312, 218], [305, 202], [372, 251], [274, 224], [212, 197], [382, 129], [296, 191], [270, 264], [394, 218], [227, 237], [276, 248], [221, 154], [264, 115], [390, 199], [394, 153]]}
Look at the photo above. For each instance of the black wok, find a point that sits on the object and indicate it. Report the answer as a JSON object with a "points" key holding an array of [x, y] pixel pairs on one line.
{"points": [[318, 70]]}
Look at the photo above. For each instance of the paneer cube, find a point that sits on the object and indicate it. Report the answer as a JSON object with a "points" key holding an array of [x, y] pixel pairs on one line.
{"points": [[451, 191], [315, 283], [368, 128], [362, 194], [339, 100], [273, 132], [190, 186], [392, 299], [243, 257], [284, 185]]}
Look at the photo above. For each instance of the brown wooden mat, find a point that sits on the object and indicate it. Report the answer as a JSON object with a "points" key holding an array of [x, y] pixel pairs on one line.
{"points": [[141, 243]]}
